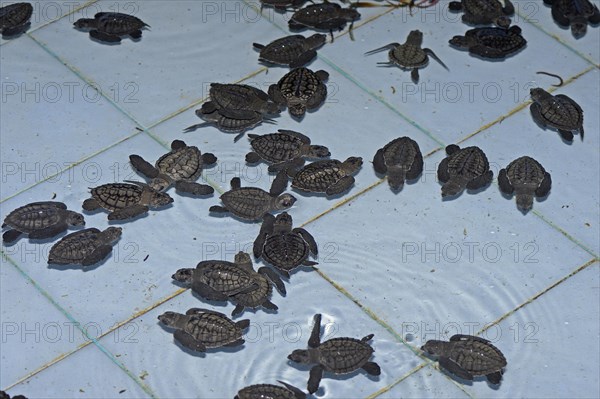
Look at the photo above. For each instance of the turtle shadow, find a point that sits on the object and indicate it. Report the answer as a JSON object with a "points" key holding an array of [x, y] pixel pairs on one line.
{"points": [[16, 35], [191, 352], [231, 215], [77, 266], [496, 60], [308, 194], [188, 195], [470, 383], [332, 376]]}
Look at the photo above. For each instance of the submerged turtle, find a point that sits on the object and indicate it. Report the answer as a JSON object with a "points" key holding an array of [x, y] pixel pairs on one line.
{"points": [[180, 167], [217, 280], [252, 203], [575, 13], [86, 247], [283, 247], [284, 149], [14, 19], [268, 391], [484, 12], [525, 177], [494, 43], [282, 5], [300, 89], [328, 176], [125, 201], [110, 26], [294, 51], [463, 168], [559, 112], [39, 220], [409, 55], [400, 159], [323, 16], [201, 329], [337, 355], [468, 356]]}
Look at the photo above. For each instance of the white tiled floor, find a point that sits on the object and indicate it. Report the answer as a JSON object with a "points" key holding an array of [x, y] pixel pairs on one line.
{"points": [[407, 267]]}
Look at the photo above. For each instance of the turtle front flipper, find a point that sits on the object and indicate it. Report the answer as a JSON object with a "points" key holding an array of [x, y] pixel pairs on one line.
{"points": [[455, 369], [207, 292], [265, 229], [208, 158], [372, 368], [274, 277], [504, 183], [442, 172], [315, 336], [11, 236], [97, 255], [104, 37], [379, 162], [417, 167], [340, 186], [279, 184], [49, 232], [136, 35], [455, 6], [481, 181], [15, 30], [494, 378], [252, 157], [295, 163], [269, 305], [566, 135], [536, 114], [316, 374], [128, 213], [188, 341], [91, 204], [545, 186], [303, 59], [218, 209], [194, 188], [435, 57], [386, 47], [143, 166], [310, 240]]}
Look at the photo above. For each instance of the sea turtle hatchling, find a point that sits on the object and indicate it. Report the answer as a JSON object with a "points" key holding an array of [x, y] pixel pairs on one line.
{"points": [[294, 51], [110, 26], [468, 356], [525, 177], [401, 160], [283, 149], [337, 355], [180, 167], [323, 16], [329, 176], [4, 395], [283, 247], [463, 168], [268, 391], [300, 90], [252, 203], [39, 220], [14, 19], [282, 5], [574, 13], [202, 329], [124, 200], [484, 12], [409, 55], [86, 247], [559, 112], [217, 280], [492, 43]]}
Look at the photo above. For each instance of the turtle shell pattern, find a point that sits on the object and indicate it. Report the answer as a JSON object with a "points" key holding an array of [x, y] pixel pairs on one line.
{"points": [[114, 196], [225, 277], [213, 330], [344, 355], [36, 216], [318, 176], [247, 202], [277, 147], [182, 164]]}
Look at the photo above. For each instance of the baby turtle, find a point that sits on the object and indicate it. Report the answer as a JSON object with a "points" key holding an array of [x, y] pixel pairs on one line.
{"points": [[217, 280], [39, 220], [337, 355], [300, 89], [284, 149], [283, 247], [400, 159], [467, 356], [125, 201], [180, 167], [4, 395], [484, 12], [86, 247], [201, 329], [110, 26], [576, 13], [328, 176], [14, 19], [324, 16], [559, 112], [282, 5], [525, 177], [494, 43], [252, 203], [268, 391], [410, 55], [467, 167], [294, 51]]}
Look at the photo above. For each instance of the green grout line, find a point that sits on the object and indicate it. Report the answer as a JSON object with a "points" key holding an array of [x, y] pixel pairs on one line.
{"points": [[77, 325]]}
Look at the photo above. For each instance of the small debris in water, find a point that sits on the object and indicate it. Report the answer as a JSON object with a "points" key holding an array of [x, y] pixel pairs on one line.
{"points": [[146, 258], [122, 390], [432, 271], [143, 375], [393, 90], [587, 224], [53, 195]]}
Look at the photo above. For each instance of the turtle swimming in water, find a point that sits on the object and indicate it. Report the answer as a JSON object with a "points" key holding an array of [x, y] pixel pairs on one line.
{"points": [[268, 391], [324, 16], [401, 160], [463, 168], [409, 55], [294, 51], [300, 90], [202, 329], [86, 247], [39, 220], [180, 167], [108, 27], [329, 176], [484, 12], [468, 356], [575, 13], [14, 19], [491, 43], [559, 112], [526, 178], [337, 355]]}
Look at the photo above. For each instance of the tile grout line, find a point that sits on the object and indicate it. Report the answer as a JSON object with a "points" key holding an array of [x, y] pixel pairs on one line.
{"points": [[62, 310]]}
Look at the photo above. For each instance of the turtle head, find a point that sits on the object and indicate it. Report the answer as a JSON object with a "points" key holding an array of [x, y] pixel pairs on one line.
{"points": [[184, 275], [349, 14], [524, 202], [352, 164], [503, 21], [243, 258], [271, 108], [284, 201], [283, 222], [396, 178], [160, 183], [415, 37], [171, 319], [538, 94], [300, 356], [579, 27], [460, 41], [75, 219], [160, 199], [297, 110], [316, 40], [433, 347], [84, 23], [112, 234], [318, 151]]}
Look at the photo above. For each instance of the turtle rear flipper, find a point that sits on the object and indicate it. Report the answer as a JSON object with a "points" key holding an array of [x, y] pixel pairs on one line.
{"points": [[279, 184], [15, 30], [480, 181], [372, 368], [559, 17], [455, 6], [188, 341], [243, 324], [128, 213], [455, 369], [208, 158], [194, 188], [594, 19], [269, 305], [252, 157], [91, 204], [49, 232], [442, 172], [566, 134], [504, 183], [11, 236], [494, 378], [545, 186], [238, 342], [340, 186], [417, 167], [218, 209], [258, 46], [97, 255], [316, 374], [207, 292], [238, 310], [136, 35], [104, 37], [303, 59], [143, 166]]}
